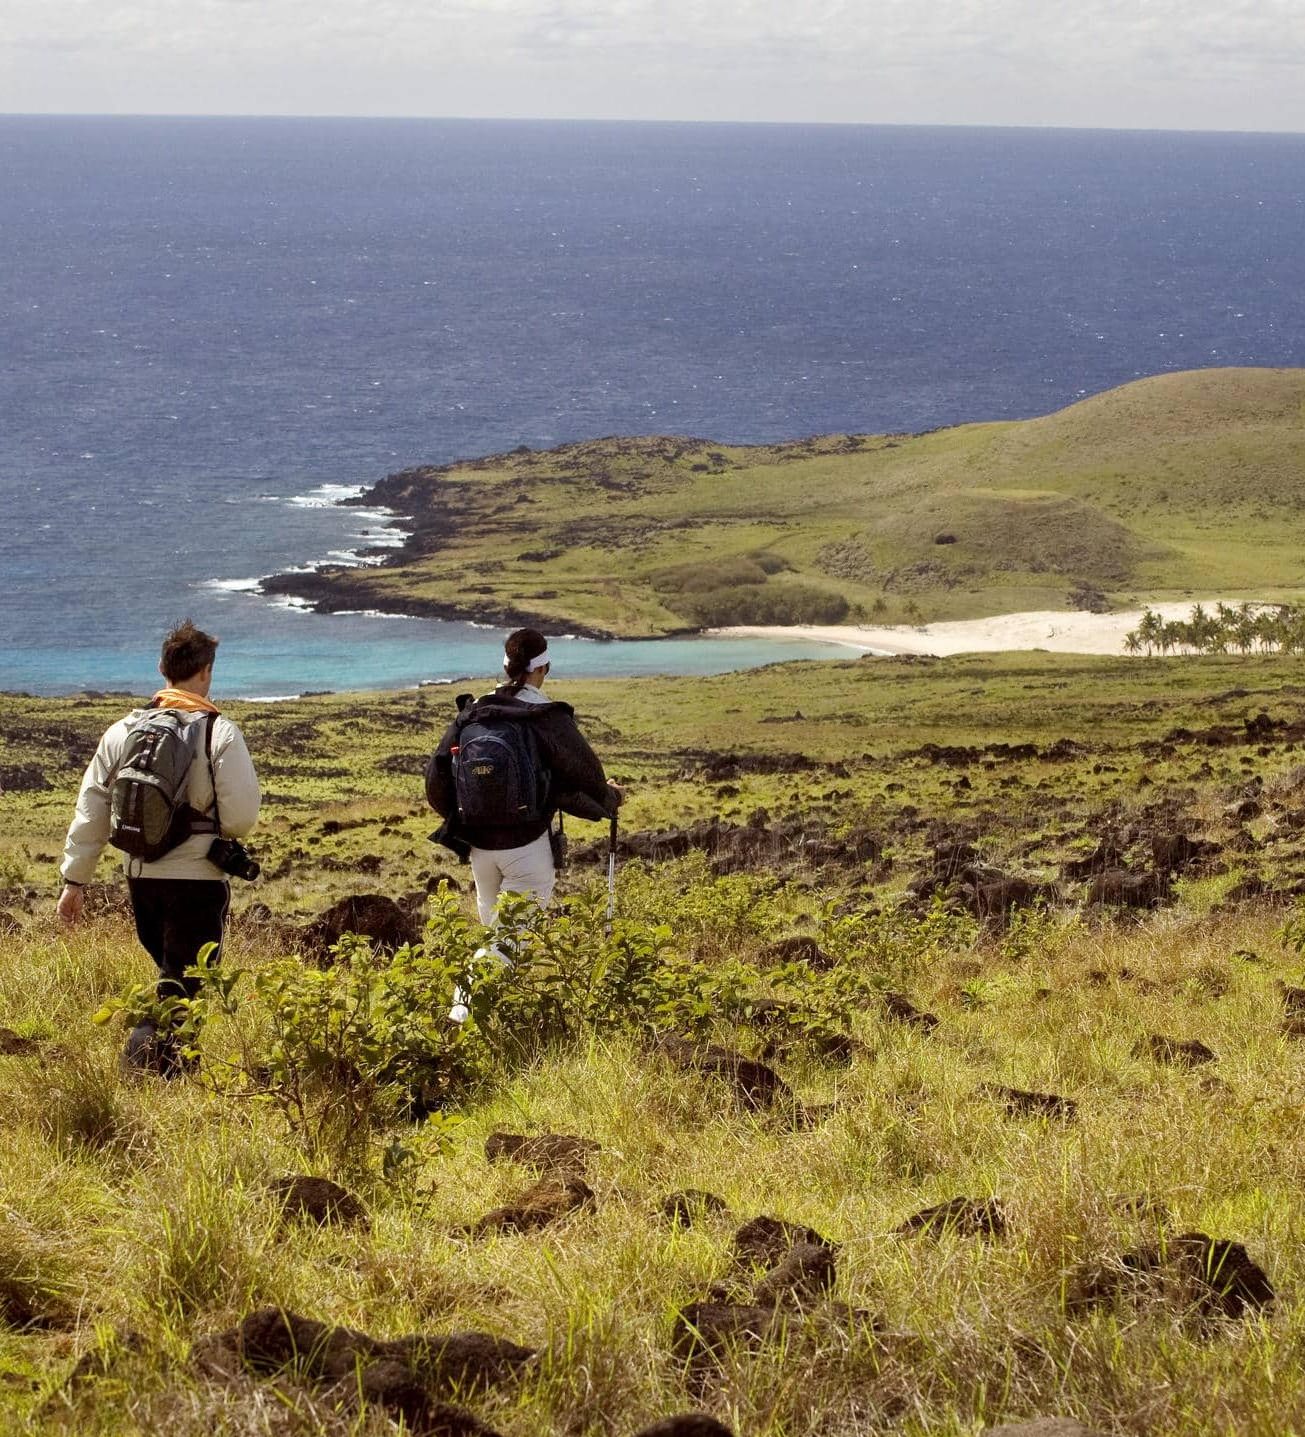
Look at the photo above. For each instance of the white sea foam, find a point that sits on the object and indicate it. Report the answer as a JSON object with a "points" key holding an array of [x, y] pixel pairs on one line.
{"points": [[326, 496], [291, 601], [231, 586]]}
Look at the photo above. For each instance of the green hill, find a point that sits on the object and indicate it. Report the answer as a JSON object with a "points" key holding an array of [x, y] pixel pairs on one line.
{"points": [[1181, 483]]}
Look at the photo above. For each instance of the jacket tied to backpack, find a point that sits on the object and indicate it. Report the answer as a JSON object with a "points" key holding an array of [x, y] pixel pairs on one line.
{"points": [[505, 766]]}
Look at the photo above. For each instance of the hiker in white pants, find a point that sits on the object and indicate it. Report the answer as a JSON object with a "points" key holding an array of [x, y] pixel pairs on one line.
{"points": [[528, 869]]}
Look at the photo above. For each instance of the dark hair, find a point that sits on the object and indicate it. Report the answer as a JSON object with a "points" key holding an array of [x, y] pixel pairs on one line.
{"points": [[186, 651], [522, 645]]}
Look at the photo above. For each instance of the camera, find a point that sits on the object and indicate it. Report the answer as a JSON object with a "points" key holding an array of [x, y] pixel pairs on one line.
{"points": [[234, 858]]}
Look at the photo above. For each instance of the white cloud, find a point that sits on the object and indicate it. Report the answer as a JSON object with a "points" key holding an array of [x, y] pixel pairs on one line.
{"points": [[1101, 62]]}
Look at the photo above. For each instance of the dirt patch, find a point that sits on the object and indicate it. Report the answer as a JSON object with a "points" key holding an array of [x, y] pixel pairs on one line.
{"points": [[756, 1086], [1021, 1103], [898, 1008], [690, 1424], [801, 948], [14, 1045], [765, 1241], [705, 1330], [1174, 1052], [23, 778]]}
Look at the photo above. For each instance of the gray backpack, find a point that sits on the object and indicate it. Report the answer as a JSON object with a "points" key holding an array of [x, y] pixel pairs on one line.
{"points": [[148, 811]]}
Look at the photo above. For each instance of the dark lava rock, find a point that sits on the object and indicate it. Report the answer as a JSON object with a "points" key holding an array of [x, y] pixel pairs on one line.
{"points": [[899, 1008], [548, 1200], [689, 1424], [967, 1217], [23, 778], [708, 1329], [14, 1045], [372, 915], [1000, 897], [270, 1340], [403, 1393], [799, 949], [1042, 1427], [764, 1241], [318, 1200], [1020, 1103], [1209, 1276], [29, 1307], [1293, 1000], [805, 1276], [1118, 888], [691, 1205], [552, 1152], [1176, 852], [756, 1085], [1106, 857], [1176, 1052]]}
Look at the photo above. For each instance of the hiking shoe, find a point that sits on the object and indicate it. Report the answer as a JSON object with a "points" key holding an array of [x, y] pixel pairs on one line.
{"points": [[159, 1054]]}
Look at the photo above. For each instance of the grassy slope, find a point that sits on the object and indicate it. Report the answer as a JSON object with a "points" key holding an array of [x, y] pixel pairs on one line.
{"points": [[142, 1206], [1182, 483]]}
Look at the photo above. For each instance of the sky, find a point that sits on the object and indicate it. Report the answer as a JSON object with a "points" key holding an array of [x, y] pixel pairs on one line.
{"points": [[1167, 64]]}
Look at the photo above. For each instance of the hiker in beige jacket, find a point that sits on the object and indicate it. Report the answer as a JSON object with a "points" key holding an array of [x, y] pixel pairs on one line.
{"points": [[180, 900]]}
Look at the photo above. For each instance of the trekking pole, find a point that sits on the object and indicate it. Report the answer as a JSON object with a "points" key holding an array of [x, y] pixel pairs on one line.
{"points": [[611, 875]]}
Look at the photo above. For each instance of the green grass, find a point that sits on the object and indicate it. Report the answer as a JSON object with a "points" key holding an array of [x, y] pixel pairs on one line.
{"points": [[1173, 485], [137, 1213]]}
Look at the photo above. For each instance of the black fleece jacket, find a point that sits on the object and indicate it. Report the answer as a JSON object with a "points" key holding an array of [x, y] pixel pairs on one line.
{"points": [[579, 785]]}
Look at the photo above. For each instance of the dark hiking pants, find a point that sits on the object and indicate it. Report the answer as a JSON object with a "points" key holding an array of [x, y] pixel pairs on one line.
{"points": [[175, 918]]}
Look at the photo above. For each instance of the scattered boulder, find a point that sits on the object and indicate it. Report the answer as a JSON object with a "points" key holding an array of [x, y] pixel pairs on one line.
{"points": [[1175, 1052], [1293, 999], [550, 1152], [545, 1202], [318, 1200], [690, 1205], [757, 1086], [23, 778], [709, 1329], [1021, 1103], [1177, 852], [1119, 888], [967, 1217], [765, 1241], [899, 1008], [801, 948], [1211, 1277], [372, 915], [805, 1276], [403, 1393], [15, 1045], [690, 1424], [30, 1306]]}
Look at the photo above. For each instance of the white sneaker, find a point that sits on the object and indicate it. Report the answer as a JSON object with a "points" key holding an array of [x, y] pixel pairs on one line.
{"points": [[459, 1013]]}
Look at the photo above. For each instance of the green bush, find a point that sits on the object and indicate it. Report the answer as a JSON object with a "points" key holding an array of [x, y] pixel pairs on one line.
{"points": [[773, 604], [706, 577]]}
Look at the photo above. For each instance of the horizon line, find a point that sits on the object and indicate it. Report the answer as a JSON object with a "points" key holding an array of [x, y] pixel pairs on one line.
{"points": [[635, 120]]}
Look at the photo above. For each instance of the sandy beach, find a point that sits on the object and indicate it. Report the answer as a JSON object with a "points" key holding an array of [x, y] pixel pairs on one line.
{"points": [[1049, 629]]}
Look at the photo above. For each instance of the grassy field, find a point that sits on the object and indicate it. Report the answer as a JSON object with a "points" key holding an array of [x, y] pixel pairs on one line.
{"points": [[1175, 485], [862, 811]]}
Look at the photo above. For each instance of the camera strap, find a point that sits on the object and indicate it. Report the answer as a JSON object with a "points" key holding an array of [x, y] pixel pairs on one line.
{"points": [[209, 721]]}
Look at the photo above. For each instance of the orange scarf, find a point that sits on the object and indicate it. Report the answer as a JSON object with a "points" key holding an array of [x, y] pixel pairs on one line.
{"points": [[183, 699]]}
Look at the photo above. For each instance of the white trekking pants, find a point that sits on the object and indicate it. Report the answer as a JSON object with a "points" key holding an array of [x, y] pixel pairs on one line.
{"points": [[528, 869]]}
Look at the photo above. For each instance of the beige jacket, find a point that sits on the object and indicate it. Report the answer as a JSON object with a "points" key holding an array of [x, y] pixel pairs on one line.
{"points": [[238, 802]]}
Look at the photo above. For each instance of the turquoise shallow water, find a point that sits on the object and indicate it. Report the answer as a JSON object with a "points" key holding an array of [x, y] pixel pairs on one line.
{"points": [[273, 652]]}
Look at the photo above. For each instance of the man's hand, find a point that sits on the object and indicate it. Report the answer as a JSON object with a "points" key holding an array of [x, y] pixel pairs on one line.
{"points": [[615, 796], [70, 904]]}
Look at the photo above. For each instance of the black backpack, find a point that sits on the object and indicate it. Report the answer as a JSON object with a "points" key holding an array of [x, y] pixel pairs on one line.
{"points": [[148, 812], [498, 775]]}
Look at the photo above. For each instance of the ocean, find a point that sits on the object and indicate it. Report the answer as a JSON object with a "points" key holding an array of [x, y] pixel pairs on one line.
{"points": [[213, 328]]}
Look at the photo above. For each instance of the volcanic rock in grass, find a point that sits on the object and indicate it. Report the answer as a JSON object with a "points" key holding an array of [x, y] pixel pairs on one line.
{"points": [[1042, 1427], [801, 948], [14, 1045], [551, 1152], [545, 1202], [403, 1393], [371, 915], [899, 1008], [690, 1205], [765, 1241], [688, 1424], [31, 1307], [318, 1200], [1107, 856], [805, 1276], [1175, 1052], [1119, 888], [1293, 1026], [1208, 1276], [967, 1217], [10, 923], [1021, 1103], [1000, 897], [271, 1340], [23, 778], [1293, 999], [710, 1329], [1177, 852], [757, 1086]]}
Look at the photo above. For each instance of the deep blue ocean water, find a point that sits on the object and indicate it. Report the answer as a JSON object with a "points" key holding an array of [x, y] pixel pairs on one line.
{"points": [[209, 325]]}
